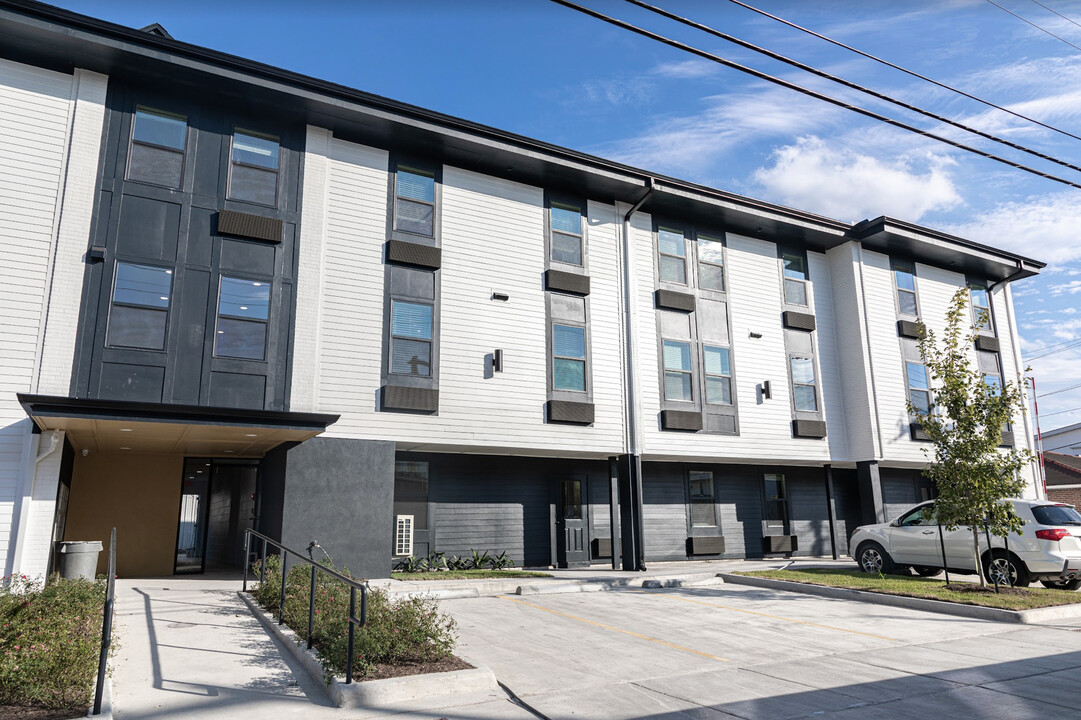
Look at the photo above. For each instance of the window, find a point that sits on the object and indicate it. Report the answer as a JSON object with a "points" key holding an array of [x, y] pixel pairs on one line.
{"points": [[672, 256], [410, 338], [253, 175], [919, 389], [158, 140], [243, 309], [718, 372], [922, 515], [981, 307], [411, 491], [140, 307], [776, 500], [414, 201], [700, 494], [677, 371], [904, 276], [568, 358], [566, 238], [803, 384], [710, 263], [992, 373], [795, 279]]}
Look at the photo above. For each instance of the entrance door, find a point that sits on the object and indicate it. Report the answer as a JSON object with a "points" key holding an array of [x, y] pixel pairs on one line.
{"points": [[191, 530], [572, 535]]}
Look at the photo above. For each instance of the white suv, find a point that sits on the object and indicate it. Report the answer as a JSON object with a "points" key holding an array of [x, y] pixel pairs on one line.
{"points": [[1048, 549]]}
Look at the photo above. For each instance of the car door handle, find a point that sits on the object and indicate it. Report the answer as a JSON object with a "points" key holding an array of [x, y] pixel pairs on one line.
{"points": [[928, 532]]}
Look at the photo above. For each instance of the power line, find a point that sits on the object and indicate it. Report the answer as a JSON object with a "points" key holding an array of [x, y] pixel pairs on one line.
{"points": [[1056, 392], [1059, 412], [810, 93], [1051, 347], [1011, 12], [841, 81], [912, 73], [1057, 13], [1068, 346]]}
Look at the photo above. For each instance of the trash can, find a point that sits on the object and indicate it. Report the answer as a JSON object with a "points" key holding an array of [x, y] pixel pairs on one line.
{"points": [[79, 559]]}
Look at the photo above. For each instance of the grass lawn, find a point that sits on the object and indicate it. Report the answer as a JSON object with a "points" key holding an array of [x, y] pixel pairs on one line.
{"points": [[465, 574], [930, 588]]}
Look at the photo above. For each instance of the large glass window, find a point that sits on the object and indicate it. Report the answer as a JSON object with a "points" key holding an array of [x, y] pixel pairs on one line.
{"points": [[566, 240], [140, 308], [795, 279], [672, 256], [919, 389], [710, 263], [254, 173], [718, 371], [981, 307], [568, 358], [702, 501], [410, 338], [677, 371], [158, 140], [414, 201], [776, 500], [243, 310], [904, 276], [803, 384]]}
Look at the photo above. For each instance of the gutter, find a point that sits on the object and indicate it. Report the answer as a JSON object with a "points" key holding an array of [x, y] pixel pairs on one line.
{"points": [[29, 485], [630, 317]]}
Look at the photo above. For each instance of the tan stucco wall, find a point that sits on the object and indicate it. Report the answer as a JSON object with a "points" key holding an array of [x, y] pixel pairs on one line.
{"points": [[139, 495]]}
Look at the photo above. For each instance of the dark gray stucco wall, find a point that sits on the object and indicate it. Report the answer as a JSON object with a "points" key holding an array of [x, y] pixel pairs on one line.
{"points": [[847, 502], [271, 491], [340, 492], [901, 489]]}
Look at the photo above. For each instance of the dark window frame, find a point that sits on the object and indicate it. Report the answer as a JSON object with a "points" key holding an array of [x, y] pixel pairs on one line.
{"points": [[586, 394], [783, 254], [171, 271], [267, 323], [908, 267], [658, 255], [711, 501], [551, 200], [990, 329], [694, 402], [706, 375], [780, 501], [810, 357], [391, 336], [417, 166], [909, 389], [277, 170], [132, 142]]}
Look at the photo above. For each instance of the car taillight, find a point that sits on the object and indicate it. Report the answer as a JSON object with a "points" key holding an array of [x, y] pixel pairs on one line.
{"points": [[1055, 534]]}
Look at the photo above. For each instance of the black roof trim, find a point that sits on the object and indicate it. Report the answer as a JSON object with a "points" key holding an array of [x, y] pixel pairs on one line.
{"points": [[868, 228], [60, 406], [156, 29]]}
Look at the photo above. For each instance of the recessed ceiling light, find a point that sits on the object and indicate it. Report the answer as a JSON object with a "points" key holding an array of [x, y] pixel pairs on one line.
{"points": [[125, 448], [207, 465], [198, 472], [250, 435], [125, 429], [230, 451], [257, 284], [243, 307], [221, 332], [163, 297]]}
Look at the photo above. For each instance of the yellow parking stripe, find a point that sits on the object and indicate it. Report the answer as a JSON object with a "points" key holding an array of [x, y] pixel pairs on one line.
{"points": [[615, 629], [766, 615]]}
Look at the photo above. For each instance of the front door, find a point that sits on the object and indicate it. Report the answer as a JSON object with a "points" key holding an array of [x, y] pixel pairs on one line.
{"points": [[572, 535]]}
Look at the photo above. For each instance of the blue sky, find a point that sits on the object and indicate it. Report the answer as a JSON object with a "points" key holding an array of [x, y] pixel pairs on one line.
{"points": [[545, 71]]}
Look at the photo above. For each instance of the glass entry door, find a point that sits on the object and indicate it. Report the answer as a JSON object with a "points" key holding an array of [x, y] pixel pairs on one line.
{"points": [[191, 532]]}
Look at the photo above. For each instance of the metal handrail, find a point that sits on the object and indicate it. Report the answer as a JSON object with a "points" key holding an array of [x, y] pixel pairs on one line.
{"points": [[106, 623], [353, 584]]}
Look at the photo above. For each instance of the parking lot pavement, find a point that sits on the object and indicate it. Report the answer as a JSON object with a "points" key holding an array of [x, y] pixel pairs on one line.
{"points": [[735, 651]]}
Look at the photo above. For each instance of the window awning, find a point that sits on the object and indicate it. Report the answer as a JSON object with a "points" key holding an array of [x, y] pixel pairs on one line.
{"points": [[120, 426]]}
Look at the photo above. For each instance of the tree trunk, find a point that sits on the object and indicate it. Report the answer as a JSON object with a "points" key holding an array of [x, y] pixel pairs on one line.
{"points": [[976, 555]]}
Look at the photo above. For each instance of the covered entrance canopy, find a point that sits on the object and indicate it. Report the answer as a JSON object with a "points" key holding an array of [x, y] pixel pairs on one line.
{"points": [[178, 482]]}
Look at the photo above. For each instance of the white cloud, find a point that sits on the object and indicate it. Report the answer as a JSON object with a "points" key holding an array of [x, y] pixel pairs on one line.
{"points": [[1042, 227], [847, 185], [1073, 287], [686, 70]]}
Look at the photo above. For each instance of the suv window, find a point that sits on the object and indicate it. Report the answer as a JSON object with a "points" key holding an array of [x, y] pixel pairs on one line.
{"points": [[1056, 515], [916, 517]]}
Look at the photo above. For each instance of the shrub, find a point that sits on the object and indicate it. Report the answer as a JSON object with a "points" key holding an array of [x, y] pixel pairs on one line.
{"points": [[398, 631], [50, 638]]}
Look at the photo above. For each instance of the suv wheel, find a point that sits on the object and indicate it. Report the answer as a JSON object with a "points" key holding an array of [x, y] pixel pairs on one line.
{"points": [[1006, 568], [1062, 584], [873, 559]]}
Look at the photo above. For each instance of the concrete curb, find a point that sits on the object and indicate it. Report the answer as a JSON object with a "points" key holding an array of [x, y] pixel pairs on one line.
{"points": [[974, 612], [106, 702], [554, 586], [376, 694]]}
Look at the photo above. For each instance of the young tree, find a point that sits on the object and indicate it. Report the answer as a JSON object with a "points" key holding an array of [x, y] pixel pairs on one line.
{"points": [[965, 422]]}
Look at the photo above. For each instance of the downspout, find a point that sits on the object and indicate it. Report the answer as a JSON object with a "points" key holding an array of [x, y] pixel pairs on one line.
{"points": [[631, 399], [29, 485]]}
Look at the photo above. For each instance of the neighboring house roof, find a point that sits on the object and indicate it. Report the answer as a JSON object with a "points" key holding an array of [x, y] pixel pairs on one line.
{"points": [[1062, 469]]}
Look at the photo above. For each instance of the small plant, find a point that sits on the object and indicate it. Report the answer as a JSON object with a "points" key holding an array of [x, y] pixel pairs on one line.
{"points": [[502, 561], [478, 560], [412, 564], [457, 562], [436, 561]]}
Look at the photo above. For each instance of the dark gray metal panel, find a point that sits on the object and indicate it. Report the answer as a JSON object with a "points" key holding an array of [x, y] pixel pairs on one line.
{"points": [[808, 511], [566, 281], [580, 413], [341, 493], [909, 328], [237, 390], [191, 338], [869, 481], [846, 497], [396, 397], [782, 544], [137, 383], [270, 494], [674, 300], [408, 253], [148, 229], [681, 420], [664, 511], [705, 546], [231, 222], [899, 491], [798, 320], [986, 342], [809, 428], [245, 256]]}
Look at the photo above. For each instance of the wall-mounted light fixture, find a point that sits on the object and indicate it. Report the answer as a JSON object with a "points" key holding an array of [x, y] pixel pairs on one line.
{"points": [[767, 390], [756, 335], [497, 360], [500, 296]]}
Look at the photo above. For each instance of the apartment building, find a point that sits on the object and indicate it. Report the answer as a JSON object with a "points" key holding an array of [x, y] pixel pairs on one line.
{"points": [[240, 297]]}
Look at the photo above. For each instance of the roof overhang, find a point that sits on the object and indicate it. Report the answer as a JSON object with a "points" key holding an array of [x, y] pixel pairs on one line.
{"points": [[116, 426]]}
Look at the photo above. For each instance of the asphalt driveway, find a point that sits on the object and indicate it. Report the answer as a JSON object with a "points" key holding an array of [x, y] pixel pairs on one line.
{"points": [[734, 651]]}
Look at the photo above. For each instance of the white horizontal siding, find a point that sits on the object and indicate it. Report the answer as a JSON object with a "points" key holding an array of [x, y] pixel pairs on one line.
{"points": [[833, 406], [852, 363], [1023, 427]]}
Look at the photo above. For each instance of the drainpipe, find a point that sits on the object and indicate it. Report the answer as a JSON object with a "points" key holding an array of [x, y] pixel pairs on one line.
{"points": [[631, 400], [29, 484]]}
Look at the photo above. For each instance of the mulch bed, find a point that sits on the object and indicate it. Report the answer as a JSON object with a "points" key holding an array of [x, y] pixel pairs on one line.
{"points": [[387, 670], [21, 712]]}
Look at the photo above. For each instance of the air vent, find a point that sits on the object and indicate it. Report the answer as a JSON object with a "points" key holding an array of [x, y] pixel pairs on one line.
{"points": [[403, 535]]}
